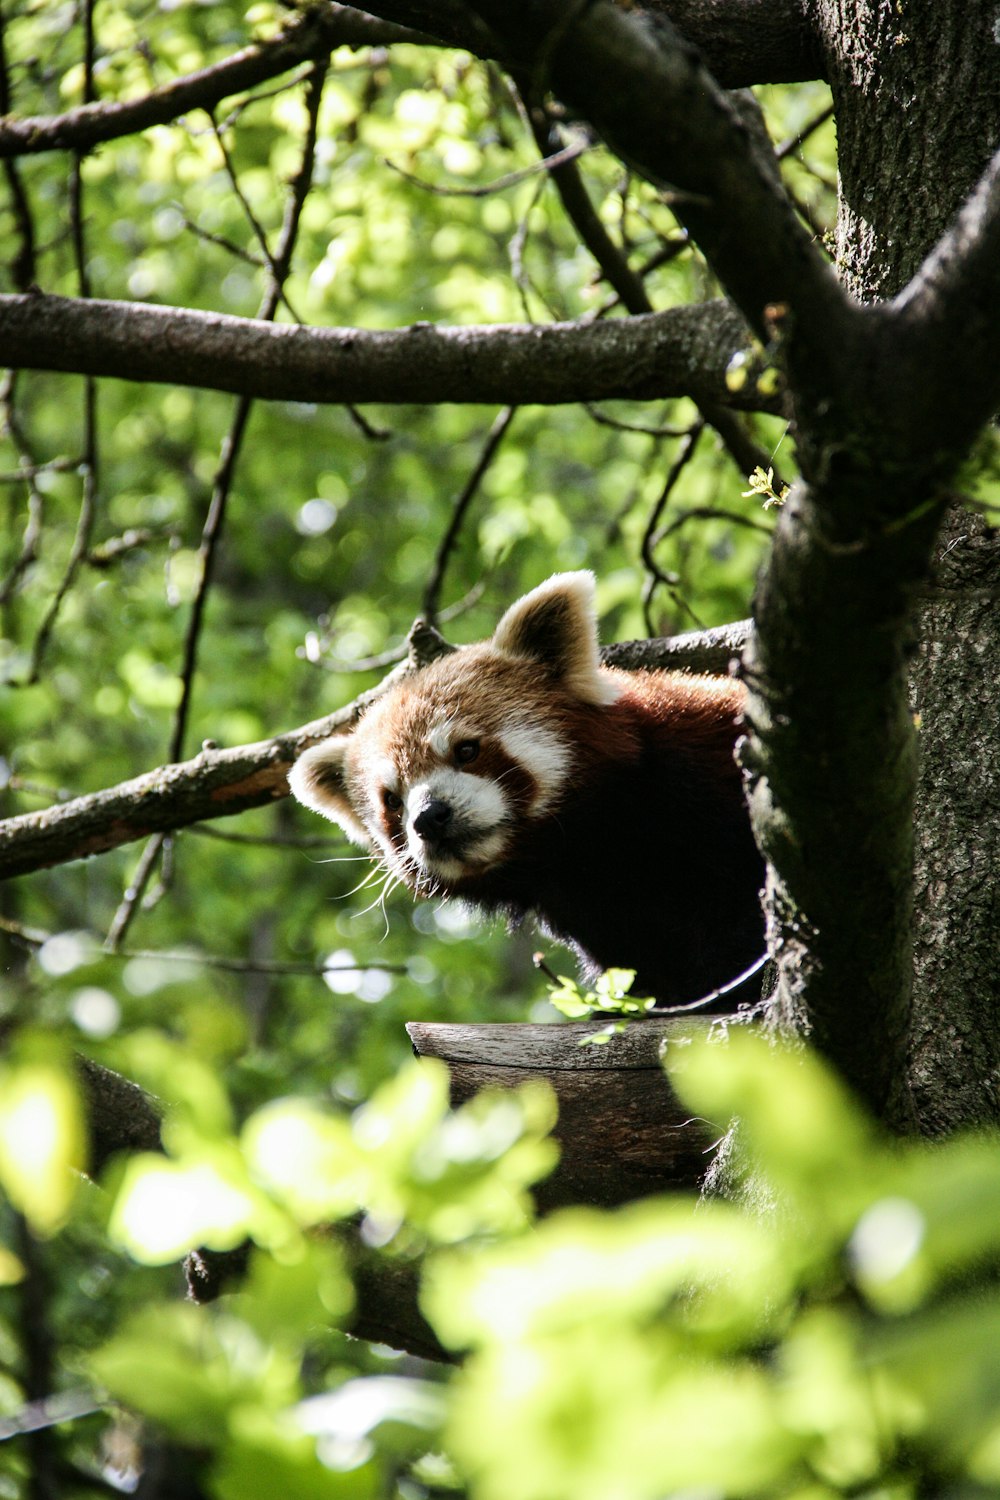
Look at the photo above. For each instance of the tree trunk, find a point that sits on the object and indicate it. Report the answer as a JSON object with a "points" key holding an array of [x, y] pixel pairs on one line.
{"points": [[916, 90], [917, 96], [955, 1064]]}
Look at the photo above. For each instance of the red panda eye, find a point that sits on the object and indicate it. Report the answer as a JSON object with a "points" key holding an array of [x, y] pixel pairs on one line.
{"points": [[466, 751], [391, 800]]}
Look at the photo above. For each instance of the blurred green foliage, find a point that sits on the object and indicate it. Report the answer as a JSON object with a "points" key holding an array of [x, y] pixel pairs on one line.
{"points": [[262, 988], [828, 1330]]}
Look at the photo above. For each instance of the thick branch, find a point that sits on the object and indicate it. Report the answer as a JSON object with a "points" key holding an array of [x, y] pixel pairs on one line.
{"points": [[120, 1117], [649, 95], [681, 352], [743, 41], [947, 324], [696, 651], [749, 41], [217, 783], [306, 39]]}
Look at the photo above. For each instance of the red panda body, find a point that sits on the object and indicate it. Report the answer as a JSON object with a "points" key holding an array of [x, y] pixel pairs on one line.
{"points": [[525, 778]]}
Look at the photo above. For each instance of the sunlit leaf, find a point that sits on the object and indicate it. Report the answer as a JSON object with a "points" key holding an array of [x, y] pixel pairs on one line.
{"points": [[580, 1267], [190, 1372], [42, 1134], [164, 1208]]}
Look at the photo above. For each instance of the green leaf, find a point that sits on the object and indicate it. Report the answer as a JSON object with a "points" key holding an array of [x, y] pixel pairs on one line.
{"points": [[190, 1371], [42, 1133]]}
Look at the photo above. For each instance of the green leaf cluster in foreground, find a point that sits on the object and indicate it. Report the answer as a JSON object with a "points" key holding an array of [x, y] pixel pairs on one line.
{"points": [[832, 1331], [829, 1329]]}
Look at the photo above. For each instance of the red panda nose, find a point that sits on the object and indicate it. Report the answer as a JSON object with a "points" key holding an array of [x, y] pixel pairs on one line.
{"points": [[432, 821]]}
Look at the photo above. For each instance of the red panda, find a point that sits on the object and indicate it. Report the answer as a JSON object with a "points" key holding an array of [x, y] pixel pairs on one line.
{"points": [[526, 778]]}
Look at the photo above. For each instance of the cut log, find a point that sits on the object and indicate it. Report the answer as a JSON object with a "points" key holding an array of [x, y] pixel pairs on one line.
{"points": [[622, 1132]]}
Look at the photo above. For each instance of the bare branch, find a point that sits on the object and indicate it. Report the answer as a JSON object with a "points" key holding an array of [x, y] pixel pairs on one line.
{"points": [[743, 41], [89, 459], [495, 436], [712, 650], [308, 38], [584, 217], [212, 530], [681, 352], [656, 576]]}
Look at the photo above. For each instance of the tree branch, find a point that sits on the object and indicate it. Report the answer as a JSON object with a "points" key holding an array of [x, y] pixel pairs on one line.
{"points": [[743, 41], [218, 783], [749, 41], [948, 322], [647, 91], [681, 352], [308, 38]]}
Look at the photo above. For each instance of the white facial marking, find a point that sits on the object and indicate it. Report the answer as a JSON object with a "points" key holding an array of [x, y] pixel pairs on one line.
{"points": [[439, 737], [544, 754], [386, 776], [479, 812], [473, 799]]}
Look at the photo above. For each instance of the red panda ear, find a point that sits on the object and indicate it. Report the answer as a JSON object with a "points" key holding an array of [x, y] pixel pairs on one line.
{"points": [[319, 781], [555, 626]]}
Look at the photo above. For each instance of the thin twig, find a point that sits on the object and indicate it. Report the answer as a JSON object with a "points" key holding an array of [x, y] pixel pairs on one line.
{"points": [[315, 648], [631, 291], [260, 234], [495, 436], [657, 577], [279, 263], [270, 840], [580, 211], [669, 250], [710, 513], [31, 536], [365, 427], [738, 441], [261, 966], [616, 423], [518, 269], [793, 142], [34, 937], [560, 157], [238, 252], [22, 265], [32, 470], [88, 464]]}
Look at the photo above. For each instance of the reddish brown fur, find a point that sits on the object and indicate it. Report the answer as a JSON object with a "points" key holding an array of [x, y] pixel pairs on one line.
{"points": [[641, 858]]}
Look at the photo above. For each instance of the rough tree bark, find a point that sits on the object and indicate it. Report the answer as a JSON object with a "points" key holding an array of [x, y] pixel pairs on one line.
{"points": [[681, 352], [917, 97]]}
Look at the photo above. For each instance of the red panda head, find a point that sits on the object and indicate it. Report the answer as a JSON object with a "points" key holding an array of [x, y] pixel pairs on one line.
{"points": [[442, 771]]}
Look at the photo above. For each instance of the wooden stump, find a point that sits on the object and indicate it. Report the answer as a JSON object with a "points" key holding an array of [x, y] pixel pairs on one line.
{"points": [[623, 1134]]}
